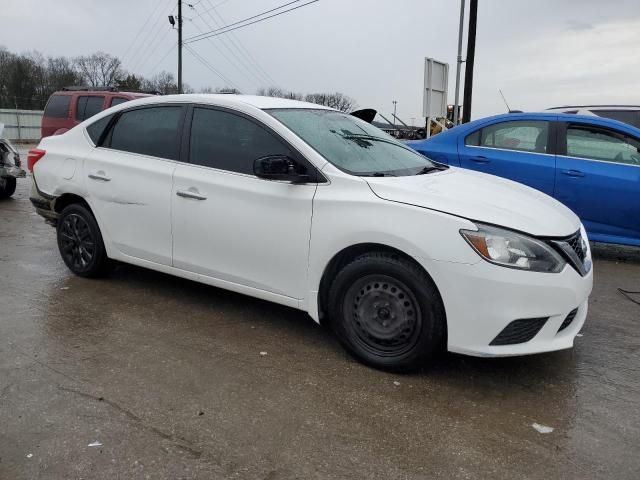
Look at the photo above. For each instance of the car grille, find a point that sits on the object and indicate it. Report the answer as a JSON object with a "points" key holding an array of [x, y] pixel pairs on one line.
{"points": [[575, 242], [519, 331], [574, 251], [568, 319]]}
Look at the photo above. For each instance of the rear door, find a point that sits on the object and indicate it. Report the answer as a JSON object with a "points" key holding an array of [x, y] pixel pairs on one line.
{"points": [[129, 180], [599, 179], [520, 150]]}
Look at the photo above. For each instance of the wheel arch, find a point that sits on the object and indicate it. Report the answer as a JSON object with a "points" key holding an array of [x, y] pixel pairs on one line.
{"points": [[67, 199], [348, 254]]}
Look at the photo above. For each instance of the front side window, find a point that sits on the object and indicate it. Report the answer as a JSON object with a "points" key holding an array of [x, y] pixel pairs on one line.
{"points": [[526, 136], [600, 144], [87, 106], [351, 144], [58, 106], [153, 131], [118, 100], [227, 141]]}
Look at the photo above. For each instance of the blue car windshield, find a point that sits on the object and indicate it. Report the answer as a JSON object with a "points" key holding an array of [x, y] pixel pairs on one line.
{"points": [[353, 145]]}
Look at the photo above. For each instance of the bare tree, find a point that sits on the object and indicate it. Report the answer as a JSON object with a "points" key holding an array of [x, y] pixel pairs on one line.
{"points": [[99, 69], [278, 92], [163, 82], [336, 100]]}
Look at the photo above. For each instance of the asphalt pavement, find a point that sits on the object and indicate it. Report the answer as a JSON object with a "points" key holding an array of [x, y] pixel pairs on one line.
{"points": [[143, 375]]}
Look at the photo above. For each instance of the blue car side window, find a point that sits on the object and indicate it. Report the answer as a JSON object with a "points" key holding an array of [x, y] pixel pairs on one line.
{"points": [[600, 144], [473, 139]]}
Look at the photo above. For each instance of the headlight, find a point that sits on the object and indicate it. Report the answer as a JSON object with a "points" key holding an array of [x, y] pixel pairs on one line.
{"points": [[515, 250]]}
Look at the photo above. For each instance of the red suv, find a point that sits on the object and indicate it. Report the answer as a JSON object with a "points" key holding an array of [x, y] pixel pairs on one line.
{"points": [[70, 106]]}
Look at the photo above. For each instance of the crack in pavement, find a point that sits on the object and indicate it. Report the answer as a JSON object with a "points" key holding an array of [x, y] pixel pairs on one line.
{"points": [[179, 442]]}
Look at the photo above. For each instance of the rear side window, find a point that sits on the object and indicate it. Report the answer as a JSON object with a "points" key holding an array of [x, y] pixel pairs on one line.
{"points": [[88, 106], [473, 139], [96, 128], [118, 100], [527, 136], [58, 106], [230, 142], [153, 131]]}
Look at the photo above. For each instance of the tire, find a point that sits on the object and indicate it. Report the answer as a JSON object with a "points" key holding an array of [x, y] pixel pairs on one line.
{"points": [[387, 312], [80, 242], [7, 187]]}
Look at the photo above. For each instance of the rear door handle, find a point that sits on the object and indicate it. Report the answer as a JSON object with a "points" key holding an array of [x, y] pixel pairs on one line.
{"points": [[480, 159], [99, 176], [191, 193], [573, 173]]}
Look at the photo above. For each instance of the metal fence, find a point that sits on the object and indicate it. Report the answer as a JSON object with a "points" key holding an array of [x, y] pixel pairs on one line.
{"points": [[21, 125]]}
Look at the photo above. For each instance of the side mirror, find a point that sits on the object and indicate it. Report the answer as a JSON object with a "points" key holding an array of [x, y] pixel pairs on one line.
{"points": [[280, 167]]}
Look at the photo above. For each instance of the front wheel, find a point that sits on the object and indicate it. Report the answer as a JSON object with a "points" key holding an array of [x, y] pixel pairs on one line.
{"points": [[7, 187], [80, 242], [387, 312]]}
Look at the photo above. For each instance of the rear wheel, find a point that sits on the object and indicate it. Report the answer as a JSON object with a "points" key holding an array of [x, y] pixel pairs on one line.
{"points": [[7, 186], [387, 312], [80, 242]]}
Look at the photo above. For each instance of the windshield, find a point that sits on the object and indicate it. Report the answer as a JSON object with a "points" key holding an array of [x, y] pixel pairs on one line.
{"points": [[352, 144]]}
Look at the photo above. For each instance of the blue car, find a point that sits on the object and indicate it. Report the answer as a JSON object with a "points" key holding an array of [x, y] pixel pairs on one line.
{"points": [[590, 164]]}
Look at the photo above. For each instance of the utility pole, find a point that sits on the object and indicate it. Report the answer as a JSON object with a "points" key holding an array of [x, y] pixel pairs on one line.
{"points": [[179, 46], [471, 53], [395, 104], [456, 105]]}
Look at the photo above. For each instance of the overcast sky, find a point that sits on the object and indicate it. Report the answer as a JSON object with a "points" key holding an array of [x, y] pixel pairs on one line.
{"points": [[541, 53]]}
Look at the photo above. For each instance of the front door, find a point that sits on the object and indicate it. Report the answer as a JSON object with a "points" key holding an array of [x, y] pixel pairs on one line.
{"points": [[599, 179], [229, 224], [129, 181], [516, 149]]}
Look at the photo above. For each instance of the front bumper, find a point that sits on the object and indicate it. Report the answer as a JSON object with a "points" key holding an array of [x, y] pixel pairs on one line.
{"points": [[482, 299]]}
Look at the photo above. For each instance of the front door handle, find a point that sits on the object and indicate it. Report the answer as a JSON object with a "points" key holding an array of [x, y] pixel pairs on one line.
{"points": [[99, 176], [480, 159], [573, 173], [191, 193]]}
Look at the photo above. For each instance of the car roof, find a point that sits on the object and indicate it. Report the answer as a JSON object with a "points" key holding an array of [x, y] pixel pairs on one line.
{"points": [[598, 107], [103, 93], [545, 114], [466, 128], [231, 98]]}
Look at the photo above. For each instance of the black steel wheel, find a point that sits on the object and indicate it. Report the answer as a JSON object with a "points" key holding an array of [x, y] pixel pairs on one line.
{"points": [[387, 312], [80, 242], [386, 316], [7, 186]]}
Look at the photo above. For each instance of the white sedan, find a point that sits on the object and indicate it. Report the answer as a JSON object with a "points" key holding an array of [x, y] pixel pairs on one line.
{"points": [[315, 209]]}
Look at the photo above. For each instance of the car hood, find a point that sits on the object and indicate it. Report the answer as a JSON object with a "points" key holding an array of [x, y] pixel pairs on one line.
{"points": [[481, 197]]}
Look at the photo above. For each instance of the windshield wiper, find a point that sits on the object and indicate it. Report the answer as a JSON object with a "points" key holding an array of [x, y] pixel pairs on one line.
{"points": [[364, 136], [431, 168]]}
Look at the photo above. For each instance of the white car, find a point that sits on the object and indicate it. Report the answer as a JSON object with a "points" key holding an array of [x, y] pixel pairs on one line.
{"points": [[315, 209]]}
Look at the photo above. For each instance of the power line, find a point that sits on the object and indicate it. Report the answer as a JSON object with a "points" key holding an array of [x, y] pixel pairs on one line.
{"points": [[242, 49], [163, 57], [215, 33], [139, 32], [210, 67], [144, 40], [240, 60], [142, 54], [226, 57]]}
